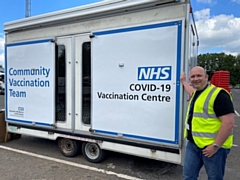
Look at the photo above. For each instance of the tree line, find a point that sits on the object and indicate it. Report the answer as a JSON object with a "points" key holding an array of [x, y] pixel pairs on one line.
{"points": [[221, 61]]}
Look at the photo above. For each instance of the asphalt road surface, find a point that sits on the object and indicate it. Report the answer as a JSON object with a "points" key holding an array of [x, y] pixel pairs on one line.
{"points": [[31, 158]]}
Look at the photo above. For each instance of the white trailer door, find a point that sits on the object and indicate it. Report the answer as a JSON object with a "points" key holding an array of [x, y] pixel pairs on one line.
{"points": [[135, 82], [82, 81], [65, 94], [30, 83], [40, 88]]}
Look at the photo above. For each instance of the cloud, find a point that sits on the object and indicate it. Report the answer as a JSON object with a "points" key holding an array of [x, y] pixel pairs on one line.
{"points": [[202, 15], [218, 32], [236, 1], [208, 1], [2, 59], [2, 40]]}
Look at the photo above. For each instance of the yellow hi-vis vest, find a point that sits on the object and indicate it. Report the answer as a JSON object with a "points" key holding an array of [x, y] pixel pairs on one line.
{"points": [[205, 124]]}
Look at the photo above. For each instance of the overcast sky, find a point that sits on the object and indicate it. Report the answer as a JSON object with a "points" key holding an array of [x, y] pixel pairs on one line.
{"points": [[217, 21]]}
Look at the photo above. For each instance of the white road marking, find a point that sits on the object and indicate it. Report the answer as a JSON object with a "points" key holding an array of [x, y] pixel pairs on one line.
{"points": [[237, 113], [71, 163]]}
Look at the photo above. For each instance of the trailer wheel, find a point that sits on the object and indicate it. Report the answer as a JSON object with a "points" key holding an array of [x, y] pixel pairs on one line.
{"points": [[68, 147], [92, 152]]}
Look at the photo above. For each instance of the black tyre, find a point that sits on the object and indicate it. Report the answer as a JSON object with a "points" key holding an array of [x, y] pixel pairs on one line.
{"points": [[68, 147], [92, 152]]}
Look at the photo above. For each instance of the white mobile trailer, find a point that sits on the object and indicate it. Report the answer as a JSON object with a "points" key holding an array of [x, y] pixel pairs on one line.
{"points": [[105, 74]]}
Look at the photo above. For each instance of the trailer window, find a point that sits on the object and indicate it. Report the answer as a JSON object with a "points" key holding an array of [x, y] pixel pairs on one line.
{"points": [[193, 32], [2, 77], [86, 82], [60, 83]]}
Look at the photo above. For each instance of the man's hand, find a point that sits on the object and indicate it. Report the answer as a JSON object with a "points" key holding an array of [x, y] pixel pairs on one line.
{"points": [[209, 151], [187, 87], [183, 77]]}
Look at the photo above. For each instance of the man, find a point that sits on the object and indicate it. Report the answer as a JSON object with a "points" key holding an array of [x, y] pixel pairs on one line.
{"points": [[209, 124]]}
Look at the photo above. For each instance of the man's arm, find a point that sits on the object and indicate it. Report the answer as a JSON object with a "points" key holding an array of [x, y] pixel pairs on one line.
{"points": [[224, 110], [187, 87], [225, 129], [223, 133]]}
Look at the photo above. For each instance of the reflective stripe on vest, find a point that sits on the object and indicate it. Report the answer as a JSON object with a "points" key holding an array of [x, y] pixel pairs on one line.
{"points": [[205, 113], [207, 135]]}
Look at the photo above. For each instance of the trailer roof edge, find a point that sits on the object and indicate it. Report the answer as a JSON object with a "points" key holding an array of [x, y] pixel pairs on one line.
{"points": [[77, 12]]}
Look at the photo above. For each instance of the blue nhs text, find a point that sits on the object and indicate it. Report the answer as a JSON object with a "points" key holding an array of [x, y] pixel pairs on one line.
{"points": [[155, 73]]}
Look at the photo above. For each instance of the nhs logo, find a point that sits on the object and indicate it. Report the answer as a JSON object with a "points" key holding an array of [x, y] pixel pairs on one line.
{"points": [[155, 73]]}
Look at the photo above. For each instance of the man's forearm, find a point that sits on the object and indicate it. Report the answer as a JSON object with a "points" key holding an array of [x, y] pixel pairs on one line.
{"points": [[188, 88], [225, 129]]}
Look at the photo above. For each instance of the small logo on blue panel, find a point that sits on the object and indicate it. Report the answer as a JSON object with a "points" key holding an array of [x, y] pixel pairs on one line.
{"points": [[20, 108], [158, 73]]}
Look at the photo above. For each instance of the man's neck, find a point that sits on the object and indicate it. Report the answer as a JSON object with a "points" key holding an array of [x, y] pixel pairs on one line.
{"points": [[203, 88]]}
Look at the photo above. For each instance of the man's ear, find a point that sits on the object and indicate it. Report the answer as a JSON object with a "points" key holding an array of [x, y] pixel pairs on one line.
{"points": [[207, 76]]}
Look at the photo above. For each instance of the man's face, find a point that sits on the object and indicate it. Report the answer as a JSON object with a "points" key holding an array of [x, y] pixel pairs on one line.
{"points": [[198, 78]]}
